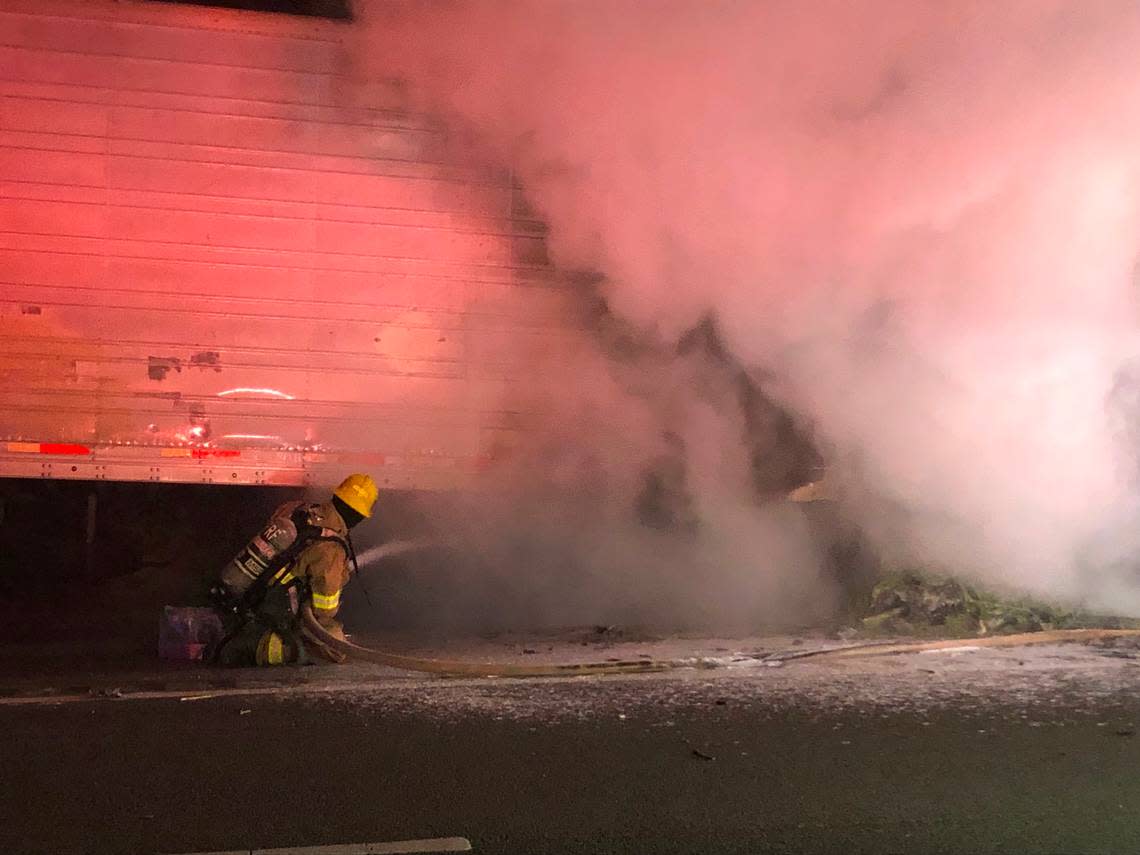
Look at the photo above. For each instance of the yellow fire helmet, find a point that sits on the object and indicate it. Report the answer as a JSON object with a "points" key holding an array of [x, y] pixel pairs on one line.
{"points": [[359, 492]]}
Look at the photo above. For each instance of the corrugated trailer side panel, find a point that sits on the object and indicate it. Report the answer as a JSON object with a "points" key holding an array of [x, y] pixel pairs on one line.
{"points": [[221, 262]]}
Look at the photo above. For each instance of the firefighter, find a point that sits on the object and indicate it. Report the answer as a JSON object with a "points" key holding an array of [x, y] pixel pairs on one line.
{"points": [[301, 557]]}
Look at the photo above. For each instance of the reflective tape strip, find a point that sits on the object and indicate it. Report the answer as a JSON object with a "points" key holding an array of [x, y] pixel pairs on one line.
{"points": [[199, 453], [284, 577], [274, 653], [64, 448], [326, 602], [203, 453]]}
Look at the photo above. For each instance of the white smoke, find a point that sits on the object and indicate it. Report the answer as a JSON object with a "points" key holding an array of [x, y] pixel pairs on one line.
{"points": [[916, 220]]}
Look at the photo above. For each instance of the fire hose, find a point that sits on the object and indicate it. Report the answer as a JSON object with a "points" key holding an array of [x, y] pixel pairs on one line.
{"points": [[1021, 639], [460, 668]]}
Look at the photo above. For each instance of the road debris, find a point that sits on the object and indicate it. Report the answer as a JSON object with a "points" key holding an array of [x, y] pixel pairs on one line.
{"points": [[910, 602]]}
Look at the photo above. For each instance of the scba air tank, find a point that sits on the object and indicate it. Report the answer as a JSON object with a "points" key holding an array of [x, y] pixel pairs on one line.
{"points": [[279, 534]]}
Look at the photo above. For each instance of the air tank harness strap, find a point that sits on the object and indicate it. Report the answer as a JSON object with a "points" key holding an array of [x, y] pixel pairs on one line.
{"points": [[280, 607], [275, 608]]}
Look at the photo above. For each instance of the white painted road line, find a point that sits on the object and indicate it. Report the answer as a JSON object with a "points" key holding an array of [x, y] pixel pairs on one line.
{"points": [[397, 847]]}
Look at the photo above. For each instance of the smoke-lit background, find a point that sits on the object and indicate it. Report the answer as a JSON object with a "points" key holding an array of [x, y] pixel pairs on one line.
{"points": [[901, 236]]}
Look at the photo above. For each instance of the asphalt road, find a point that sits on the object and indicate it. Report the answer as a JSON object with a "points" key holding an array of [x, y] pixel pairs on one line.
{"points": [[826, 760]]}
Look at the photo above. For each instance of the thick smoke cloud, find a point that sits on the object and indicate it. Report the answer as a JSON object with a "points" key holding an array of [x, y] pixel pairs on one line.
{"points": [[914, 223]]}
